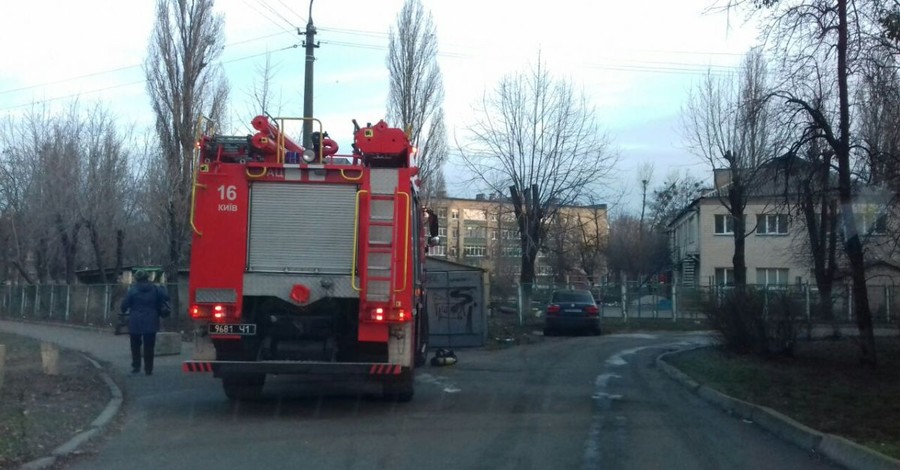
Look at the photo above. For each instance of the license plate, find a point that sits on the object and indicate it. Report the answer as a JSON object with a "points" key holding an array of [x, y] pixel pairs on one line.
{"points": [[243, 329]]}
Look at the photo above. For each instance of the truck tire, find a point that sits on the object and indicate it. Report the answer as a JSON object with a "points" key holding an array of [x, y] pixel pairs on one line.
{"points": [[246, 387]]}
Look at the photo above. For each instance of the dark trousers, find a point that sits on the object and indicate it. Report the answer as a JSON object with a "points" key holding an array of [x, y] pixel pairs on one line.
{"points": [[149, 344]]}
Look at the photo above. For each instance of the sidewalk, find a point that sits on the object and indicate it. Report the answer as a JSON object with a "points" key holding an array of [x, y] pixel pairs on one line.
{"points": [[115, 355]]}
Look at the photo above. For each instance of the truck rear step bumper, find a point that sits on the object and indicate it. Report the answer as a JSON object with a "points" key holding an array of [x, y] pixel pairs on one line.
{"points": [[358, 369]]}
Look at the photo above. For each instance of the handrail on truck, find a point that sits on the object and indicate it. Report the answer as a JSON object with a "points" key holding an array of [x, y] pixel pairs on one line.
{"points": [[194, 184], [405, 242], [356, 244]]}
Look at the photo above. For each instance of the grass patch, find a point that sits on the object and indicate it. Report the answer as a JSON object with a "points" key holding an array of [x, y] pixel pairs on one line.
{"points": [[822, 386], [39, 412]]}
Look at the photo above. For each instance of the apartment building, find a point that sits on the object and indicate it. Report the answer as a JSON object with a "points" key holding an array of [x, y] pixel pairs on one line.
{"points": [[482, 232]]}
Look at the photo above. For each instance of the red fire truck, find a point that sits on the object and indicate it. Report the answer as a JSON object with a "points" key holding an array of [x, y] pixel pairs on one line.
{"points": [[307, 262]]}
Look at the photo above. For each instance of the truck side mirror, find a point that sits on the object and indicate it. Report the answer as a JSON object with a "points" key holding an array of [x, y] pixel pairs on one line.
{"points": [[433, 228]]}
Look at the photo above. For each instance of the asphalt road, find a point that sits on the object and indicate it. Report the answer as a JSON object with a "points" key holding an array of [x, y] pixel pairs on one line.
{"points": [[567, 403]]}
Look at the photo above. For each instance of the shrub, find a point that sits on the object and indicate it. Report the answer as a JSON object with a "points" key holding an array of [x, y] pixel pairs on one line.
{"points": [[751, 321]]}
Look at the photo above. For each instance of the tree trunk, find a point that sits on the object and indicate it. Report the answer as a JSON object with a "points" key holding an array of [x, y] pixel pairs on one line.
{"points": [[739, 260], [98, 251], [175, 246], [120, 246], [853, 245]]}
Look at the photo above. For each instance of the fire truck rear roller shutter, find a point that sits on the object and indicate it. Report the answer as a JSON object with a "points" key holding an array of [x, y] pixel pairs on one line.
{"points": [[208, 296], [301, 228]]}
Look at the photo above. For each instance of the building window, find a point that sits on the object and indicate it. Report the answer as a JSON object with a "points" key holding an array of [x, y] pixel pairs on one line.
{"points": [[474, 251], [772, 276], [724, 224], [475, 231], [724, 276], [772, 224], [437, 250], [511, 251], [454, 214], [442, 232], [493, 234], [510, 234], [453, 252], [454, 232]]}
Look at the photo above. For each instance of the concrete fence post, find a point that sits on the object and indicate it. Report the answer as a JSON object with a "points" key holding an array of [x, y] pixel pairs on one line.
{"points": [[808, 306], [87, 301], [674, 301], [849, 304], [68, 301], [2, 363], [50, 307], [37, 297], [106, 302]]}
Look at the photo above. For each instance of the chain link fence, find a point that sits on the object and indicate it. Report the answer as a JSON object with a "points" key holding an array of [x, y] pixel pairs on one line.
{"points": [[79, 304], [635, 300]]}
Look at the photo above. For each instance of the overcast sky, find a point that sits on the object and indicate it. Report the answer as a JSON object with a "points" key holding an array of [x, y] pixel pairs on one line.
{"points": [[634, 60]]}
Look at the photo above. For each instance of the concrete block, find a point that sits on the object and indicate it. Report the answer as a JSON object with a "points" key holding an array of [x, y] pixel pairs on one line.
{"points": [[168, 343], [853, 455]]}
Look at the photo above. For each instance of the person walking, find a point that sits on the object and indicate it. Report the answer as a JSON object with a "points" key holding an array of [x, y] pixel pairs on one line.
{"points": [[144, 305]]}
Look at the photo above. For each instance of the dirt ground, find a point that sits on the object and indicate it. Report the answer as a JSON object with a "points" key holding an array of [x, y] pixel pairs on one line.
{"points": [[39, 412]]}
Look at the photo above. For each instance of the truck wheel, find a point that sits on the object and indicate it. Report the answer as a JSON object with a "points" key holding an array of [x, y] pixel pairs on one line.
{"points": [[243, 387], [401, 391]]}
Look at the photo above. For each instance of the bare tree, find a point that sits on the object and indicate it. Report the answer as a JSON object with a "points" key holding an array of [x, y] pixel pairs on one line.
{"points": [[835, 35], [183, 84], [264, 100], [728, 123], [534, 136], [107, 181], [417, 92]]}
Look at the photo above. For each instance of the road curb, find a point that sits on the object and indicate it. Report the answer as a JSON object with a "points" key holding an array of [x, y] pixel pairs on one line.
{"points": [[838, 449], [112, 408]]}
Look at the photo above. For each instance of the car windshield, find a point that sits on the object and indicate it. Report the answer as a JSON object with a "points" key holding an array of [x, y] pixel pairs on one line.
{"points": [[580, 297]]}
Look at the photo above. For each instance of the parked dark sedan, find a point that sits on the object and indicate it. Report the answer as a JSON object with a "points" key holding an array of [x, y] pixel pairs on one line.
{"points": [[572, 310]]}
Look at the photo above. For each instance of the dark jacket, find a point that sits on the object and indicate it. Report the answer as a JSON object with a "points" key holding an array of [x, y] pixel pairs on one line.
{"points": [[142, 303]]}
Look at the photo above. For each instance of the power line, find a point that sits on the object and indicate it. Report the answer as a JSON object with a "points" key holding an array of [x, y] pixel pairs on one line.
{"points": [[123, 85], [637, 66], [126, 67], [288, 8]]}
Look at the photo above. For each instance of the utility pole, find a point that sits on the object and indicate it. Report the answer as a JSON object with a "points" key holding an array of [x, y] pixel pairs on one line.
{"points": [[310, 46]]}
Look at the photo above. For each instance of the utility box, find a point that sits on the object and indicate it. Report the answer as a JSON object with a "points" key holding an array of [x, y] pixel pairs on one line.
{"points": [[457, 313]]}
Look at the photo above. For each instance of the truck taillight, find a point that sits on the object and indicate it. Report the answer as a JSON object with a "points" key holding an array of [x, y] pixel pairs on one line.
{"points": [[381, 314], [196, 311], [216, 311]]}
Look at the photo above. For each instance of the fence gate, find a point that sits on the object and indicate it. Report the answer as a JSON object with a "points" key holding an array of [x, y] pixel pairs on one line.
{"points": [[456, 309]]}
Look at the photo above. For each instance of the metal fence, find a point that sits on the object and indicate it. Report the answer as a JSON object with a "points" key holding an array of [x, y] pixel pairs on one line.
{"points": [[667, 301], [78, 304]]}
